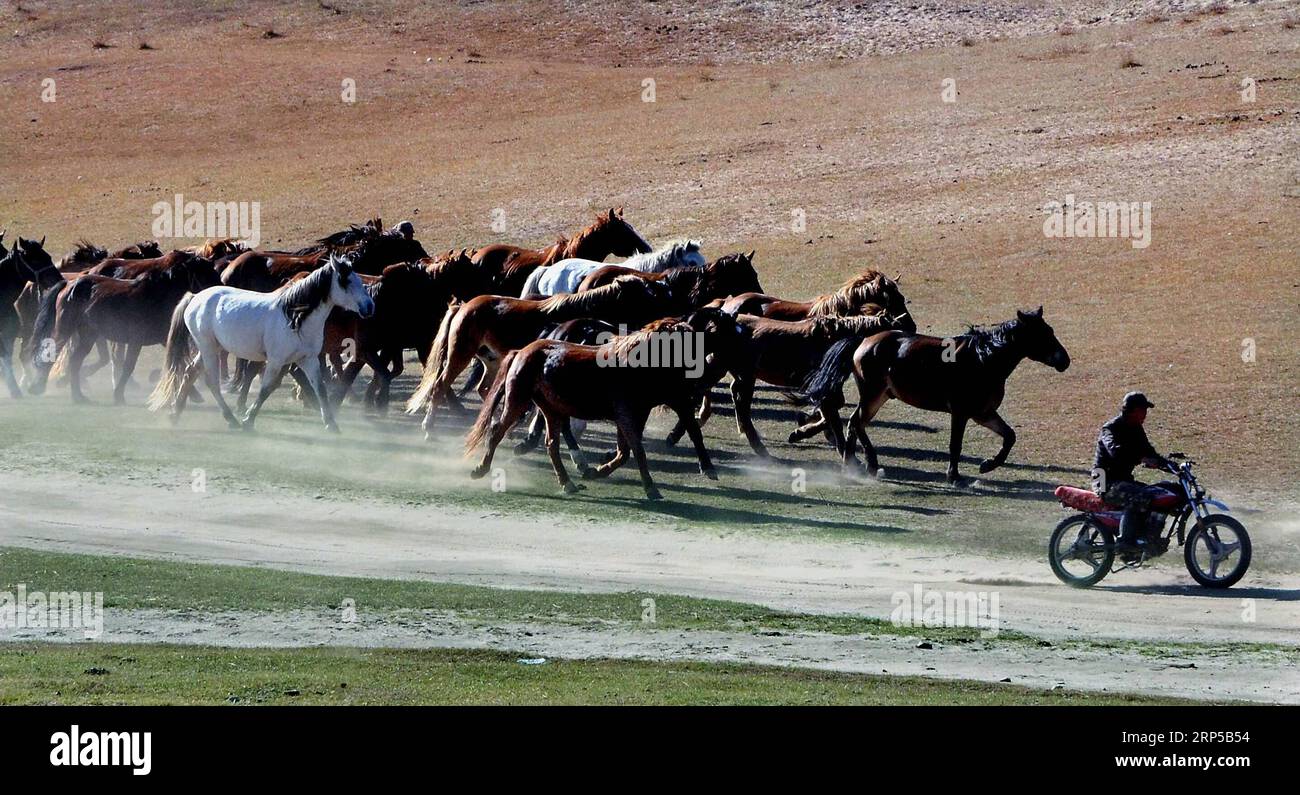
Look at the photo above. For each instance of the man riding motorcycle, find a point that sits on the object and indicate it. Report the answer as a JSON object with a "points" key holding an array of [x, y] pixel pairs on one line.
{"points": [[1121, 446]]}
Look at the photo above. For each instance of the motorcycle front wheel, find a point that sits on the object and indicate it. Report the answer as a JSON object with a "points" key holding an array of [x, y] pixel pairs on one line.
{"points": [[1217, 551], [1080, 551]]}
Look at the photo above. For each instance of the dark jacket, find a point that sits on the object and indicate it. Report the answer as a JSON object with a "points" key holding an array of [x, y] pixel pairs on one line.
{"points": [[1121, 446]]}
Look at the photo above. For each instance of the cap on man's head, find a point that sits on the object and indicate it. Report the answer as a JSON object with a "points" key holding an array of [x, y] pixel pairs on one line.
{"points": [[1136, 400]]}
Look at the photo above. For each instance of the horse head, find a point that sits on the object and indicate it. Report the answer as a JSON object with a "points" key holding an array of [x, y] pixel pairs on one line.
{"points": [[33, 256], [1039, 340], [623, 240], [347, 290]]}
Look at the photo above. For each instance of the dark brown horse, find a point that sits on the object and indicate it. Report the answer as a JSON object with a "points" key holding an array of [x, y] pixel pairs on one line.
{"points": [[26, 267], [964, 376], [565, 380], [134, 312], [691, 286], [370, 245], [489, 326], [410, 301], [784, 353], [505, 268]]}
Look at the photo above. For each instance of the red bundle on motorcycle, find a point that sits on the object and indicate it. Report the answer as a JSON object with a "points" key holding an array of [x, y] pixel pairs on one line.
{"points": [[1080, 499]]}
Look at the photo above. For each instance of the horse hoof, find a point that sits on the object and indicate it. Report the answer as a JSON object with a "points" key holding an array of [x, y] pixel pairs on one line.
{"points": [[987, 466], [478, 472], [572, 488], [671, 440], [522, 448], [793, 437], [589, 473], [653, 494], [332, 428], [710, 473]]}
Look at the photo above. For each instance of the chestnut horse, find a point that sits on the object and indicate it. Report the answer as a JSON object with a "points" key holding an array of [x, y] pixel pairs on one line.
{"points": [[565, 379], [134, 312], [871, 287], [27, 266], [964, 376], [507, 267], [498, 324]]}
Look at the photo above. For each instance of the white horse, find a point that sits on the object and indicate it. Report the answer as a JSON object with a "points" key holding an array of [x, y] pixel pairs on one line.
{"points": [[565, 275], [282, 328]]}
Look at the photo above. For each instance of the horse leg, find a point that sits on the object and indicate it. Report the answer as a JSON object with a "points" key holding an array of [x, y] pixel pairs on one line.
{"points": [[272, 375], [686, 416], [306, 384], [706, 408], [631, 428], [314, 371], [830, 414], [78, 355], [554, 421], [474, 379], [127, 366], [954, 445], [244, 372], [742, 393], [101, 348], [615, 461], [348, 376], [514, 403], [187, 385], [212, 377], [999, 426], [535, 430], [7, 366]]}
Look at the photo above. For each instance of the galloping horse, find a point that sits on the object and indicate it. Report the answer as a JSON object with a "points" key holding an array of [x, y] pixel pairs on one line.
{"points": [[25, 267], [564, 380], [496, 324], [133, 312], [507, 267], [280, 329], [566, 275], [410, 301], [964, 376], [370, 246]]}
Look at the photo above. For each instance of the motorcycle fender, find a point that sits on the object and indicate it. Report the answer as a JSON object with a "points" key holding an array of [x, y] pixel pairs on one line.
{"points": [[1218, 505]]}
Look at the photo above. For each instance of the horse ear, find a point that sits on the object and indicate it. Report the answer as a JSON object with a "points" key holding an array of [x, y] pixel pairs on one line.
{"points": [[620, 211], [42, 241], [751, 254], [611, 214], [1039, 313], [899, 278]]}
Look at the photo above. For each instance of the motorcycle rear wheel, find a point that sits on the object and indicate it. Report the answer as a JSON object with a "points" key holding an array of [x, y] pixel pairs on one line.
{"points": [[1211, 542], [1079, 539]]}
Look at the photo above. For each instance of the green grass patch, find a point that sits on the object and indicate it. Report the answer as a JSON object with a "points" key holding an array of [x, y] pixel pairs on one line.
{"points": [[35, 673]]}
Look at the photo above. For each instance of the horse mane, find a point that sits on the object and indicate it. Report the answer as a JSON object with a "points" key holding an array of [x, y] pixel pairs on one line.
{"points": [[621, 347], [299, 299], [986, 341], [211, 246], [867, 287], [591, 298], [354, 235], [836, 325], [667, 253]]}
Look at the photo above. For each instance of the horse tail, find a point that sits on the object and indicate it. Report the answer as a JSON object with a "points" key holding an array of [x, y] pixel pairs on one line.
{"points": [[435, 365], [830, 373], [42, 338], [176, 359], [69, 311], [490, 403]]}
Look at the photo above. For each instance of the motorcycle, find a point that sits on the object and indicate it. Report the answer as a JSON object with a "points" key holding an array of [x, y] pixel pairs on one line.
{"points": [[1216, 547]]}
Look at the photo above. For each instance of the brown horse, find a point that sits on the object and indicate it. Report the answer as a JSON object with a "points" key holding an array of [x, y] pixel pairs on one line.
{"points": [[869, 288], [784, 353], [505, 268], [964, 376], [134, 312], [494, 325], [26, 267], [564, 379], [691, 286]]}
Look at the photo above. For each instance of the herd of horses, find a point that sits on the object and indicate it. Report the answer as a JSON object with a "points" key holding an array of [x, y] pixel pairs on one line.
{"points": [[537, 327]]}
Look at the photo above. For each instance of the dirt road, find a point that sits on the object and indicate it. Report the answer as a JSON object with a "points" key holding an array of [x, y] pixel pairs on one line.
{"points": [[379, 540]]}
